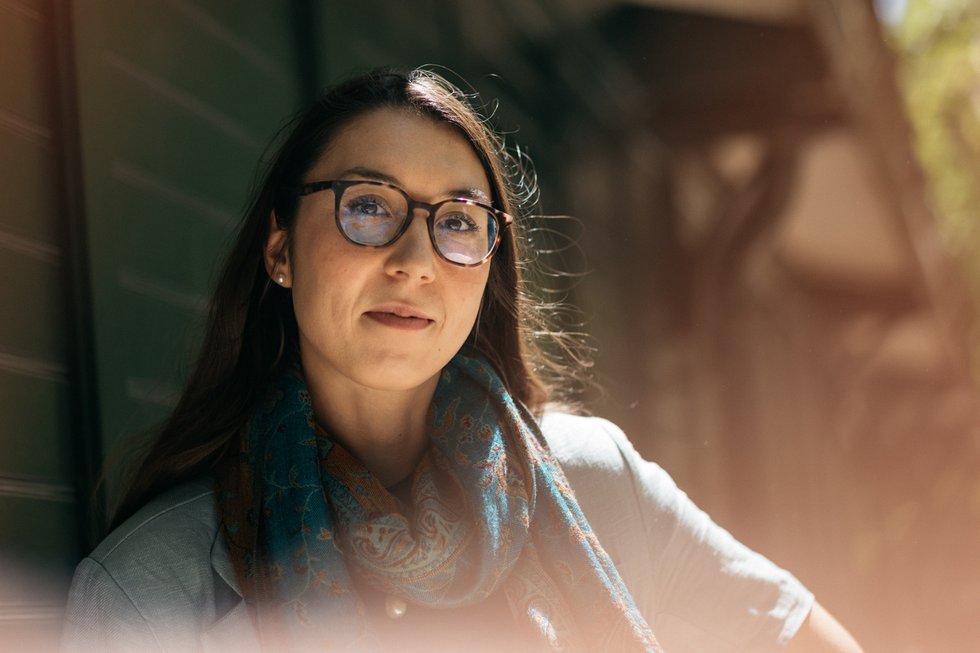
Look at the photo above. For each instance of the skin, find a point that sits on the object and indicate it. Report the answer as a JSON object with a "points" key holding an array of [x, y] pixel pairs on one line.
{"points": [[821, 633], [372, 381], [372, 377]]}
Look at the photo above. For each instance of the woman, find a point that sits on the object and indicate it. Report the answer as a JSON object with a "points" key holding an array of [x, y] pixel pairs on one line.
{"points": [[362, 460]]}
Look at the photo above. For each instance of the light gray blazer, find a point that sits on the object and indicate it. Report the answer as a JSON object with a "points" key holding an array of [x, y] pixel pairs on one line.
{"points": [[163, 581]]}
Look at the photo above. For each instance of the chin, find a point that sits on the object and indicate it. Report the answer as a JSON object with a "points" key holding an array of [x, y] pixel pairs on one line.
{"points": [[398, 373], [395, 382]]}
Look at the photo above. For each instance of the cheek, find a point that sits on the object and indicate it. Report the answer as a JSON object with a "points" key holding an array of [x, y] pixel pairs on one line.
{"points": [[470, 296], [319, 263]]}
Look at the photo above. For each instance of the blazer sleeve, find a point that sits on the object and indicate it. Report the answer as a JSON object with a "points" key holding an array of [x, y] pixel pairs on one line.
{"points": [[150, 585], [699, 588], [101, 616]]}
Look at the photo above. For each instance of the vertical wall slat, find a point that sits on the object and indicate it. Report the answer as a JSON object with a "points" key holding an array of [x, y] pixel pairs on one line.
{"points": [[86, 443]]}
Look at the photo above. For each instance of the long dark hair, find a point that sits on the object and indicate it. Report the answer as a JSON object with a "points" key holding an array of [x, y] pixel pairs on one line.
{"points": [[251, 329]]}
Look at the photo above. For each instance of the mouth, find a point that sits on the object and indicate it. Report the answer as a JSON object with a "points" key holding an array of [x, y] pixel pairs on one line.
{"points": [[400, 316]]}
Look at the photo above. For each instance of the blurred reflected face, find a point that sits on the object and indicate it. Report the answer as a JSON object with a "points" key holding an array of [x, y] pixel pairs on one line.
{"points": [[384, 318]]}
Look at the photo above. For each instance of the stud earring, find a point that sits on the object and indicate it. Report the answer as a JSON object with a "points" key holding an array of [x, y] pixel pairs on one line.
{"points": [[281, 279]]}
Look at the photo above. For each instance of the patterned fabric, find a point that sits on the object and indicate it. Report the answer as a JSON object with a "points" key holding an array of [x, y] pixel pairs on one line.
{"points": [[490, 511]]}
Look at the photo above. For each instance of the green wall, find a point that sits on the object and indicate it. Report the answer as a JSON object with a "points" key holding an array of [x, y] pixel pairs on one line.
{"points": [[176, 103], [38, 500], [137, 147], [130, 135]]}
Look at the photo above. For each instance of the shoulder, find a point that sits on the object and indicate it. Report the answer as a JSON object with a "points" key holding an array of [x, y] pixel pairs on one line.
{"points": [[605, 470], [602, 465], [585, 442], [599, 462], [156, 566], [178, 524], [160, 581]]}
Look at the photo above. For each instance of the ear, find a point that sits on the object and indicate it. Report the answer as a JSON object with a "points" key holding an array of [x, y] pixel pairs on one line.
{"points": [[277, 254]]}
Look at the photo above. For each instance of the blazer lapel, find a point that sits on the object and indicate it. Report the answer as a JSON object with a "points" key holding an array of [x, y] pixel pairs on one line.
{"points": [[233, 629]]}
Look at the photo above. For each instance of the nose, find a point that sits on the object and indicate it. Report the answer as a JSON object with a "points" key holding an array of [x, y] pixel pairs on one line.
{"points": [[412, 256]]}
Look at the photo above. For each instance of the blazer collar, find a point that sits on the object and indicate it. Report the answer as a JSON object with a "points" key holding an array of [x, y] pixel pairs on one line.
{"points": [[221, 562]]}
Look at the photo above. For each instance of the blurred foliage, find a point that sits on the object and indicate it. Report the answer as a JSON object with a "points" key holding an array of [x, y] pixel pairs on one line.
{"points": [[938, 47]]}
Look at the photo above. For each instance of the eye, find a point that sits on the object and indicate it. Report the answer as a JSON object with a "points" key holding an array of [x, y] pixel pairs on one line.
{"points": [[367, 205], [459, 219], [458, 222]]}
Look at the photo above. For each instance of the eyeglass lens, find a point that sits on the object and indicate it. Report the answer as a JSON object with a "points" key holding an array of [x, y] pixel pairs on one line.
{"points": [[373, 215]]}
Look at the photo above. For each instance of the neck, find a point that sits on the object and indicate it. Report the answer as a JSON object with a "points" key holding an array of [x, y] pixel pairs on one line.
{"points": [[385, 430]]}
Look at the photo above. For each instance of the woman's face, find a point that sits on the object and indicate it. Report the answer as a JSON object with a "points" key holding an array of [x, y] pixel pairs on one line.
{"points": [[382, 318]]}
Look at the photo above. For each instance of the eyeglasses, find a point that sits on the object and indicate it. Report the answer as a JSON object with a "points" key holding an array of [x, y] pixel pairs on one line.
{"points": [[376, 214]]}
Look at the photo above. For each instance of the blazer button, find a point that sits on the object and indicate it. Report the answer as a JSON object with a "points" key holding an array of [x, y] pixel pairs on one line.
{"points": [[395, 607]]}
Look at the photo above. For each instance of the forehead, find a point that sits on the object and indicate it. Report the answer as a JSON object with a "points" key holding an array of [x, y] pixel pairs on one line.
{"points": [[420, 153]]}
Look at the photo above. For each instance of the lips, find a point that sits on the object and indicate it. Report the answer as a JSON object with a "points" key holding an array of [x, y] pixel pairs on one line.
{"points": [[400, 316]]}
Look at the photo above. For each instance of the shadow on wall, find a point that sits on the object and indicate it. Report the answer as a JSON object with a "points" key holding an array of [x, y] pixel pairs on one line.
{"points": [[779, 323]]}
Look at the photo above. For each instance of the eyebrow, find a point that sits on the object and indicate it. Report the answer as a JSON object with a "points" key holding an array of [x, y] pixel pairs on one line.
{"points": [[359, 172]]}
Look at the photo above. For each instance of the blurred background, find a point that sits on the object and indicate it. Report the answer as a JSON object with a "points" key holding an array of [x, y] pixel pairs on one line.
{"points": [[776, 204]]}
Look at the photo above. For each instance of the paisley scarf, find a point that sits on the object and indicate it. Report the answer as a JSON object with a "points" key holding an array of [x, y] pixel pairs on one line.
{"points": [[491, 511]]}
